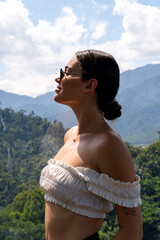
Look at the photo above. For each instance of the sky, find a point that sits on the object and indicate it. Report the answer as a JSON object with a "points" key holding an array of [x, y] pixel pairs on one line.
{"points": [[38, 37]]}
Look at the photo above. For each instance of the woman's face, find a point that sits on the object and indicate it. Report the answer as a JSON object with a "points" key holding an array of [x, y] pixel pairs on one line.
{"points": [[69, 90]]}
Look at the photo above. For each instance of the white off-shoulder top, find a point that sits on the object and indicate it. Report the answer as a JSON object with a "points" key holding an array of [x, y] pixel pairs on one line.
{"points": [[85, 191]]}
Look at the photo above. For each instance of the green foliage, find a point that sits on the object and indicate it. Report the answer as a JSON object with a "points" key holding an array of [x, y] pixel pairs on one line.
{"points": [[151, 206], [24, 218], [34, 207], [28, 206], [26, 143], [148, 160], [109, 227], [18, 230]]}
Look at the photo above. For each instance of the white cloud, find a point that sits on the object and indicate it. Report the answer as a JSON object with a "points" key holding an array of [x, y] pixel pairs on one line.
{"points": [[31, 53], [155, 62], [13, 23], [98, 6], [64, 30], [141, 27], [100, 30], [140, 38]]}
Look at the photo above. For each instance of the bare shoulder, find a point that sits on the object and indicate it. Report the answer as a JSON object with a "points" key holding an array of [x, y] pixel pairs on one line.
{"points": [[115, 158], [70, 133]]}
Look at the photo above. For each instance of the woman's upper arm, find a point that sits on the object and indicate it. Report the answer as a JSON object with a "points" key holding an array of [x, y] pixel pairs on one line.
{"points": [[130, 222], [118, 164]]}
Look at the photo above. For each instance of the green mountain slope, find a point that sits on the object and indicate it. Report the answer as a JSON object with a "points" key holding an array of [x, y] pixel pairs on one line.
{"points": [[26, 143]]}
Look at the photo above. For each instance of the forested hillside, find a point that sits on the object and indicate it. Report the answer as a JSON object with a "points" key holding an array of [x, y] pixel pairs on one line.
{"points": [[26, 143]]}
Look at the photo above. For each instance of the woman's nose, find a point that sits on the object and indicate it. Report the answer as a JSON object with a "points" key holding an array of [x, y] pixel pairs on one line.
{"points": [[58, 80]]}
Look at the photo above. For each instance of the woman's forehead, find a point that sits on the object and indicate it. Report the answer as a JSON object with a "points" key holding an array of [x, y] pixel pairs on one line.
{"points": [[73, 64], [73, 61]]}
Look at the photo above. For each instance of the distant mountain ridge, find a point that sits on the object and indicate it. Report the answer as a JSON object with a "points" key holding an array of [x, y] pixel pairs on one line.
{"points": [[42, 105], [139, 95]]}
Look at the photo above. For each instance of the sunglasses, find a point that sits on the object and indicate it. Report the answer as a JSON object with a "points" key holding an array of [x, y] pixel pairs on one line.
{"points": [[65, 74]]}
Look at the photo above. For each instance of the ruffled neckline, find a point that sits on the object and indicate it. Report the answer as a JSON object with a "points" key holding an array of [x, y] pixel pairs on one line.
{"points": [[91, 173]]}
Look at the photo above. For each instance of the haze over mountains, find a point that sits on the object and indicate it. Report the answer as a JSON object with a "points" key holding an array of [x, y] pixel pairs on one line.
{"points": [[139, 95]]}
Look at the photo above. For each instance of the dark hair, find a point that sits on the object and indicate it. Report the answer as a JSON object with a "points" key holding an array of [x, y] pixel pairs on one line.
{"points": [[103, 67]]}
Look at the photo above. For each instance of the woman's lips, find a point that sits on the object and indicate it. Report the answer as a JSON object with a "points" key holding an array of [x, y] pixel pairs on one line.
{"points": [[58, 89]]}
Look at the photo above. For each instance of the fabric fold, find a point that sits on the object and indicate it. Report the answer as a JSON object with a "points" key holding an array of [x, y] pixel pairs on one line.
{"points": [[85, 191]]}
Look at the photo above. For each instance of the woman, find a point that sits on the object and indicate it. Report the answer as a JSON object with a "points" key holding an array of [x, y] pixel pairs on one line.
{"points": [[94, 167]]}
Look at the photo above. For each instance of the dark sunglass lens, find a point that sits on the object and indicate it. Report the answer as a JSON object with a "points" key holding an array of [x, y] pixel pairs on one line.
{"points": [[61, 73]]}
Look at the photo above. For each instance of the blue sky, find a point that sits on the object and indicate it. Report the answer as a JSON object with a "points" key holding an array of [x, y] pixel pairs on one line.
{"points": [[37, 37]]}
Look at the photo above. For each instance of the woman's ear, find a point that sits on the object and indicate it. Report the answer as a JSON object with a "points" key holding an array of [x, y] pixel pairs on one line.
{"points": [[90, 85]]}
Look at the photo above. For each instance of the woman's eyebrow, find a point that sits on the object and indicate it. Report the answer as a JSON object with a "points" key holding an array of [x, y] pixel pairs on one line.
{"points": [[67, 68]]}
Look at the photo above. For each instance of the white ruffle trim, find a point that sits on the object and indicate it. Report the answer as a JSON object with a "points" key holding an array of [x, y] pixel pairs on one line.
{"points": [[85, 191], [123, 200], [79, 210]]}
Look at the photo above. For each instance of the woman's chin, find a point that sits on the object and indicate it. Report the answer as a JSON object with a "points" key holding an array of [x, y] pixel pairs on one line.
{"points": [[58, 98]]}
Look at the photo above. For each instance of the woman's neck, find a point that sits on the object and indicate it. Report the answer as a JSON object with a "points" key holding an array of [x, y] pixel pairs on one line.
{"points": [[89, 118]]}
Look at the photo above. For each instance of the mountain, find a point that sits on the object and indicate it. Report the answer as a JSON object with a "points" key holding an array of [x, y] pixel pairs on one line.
{"points": [[139, 95], [25, 146], [42, 105]]}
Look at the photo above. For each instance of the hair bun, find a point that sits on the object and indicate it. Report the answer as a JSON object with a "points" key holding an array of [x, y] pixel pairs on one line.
{"points": [[112, 110]]}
